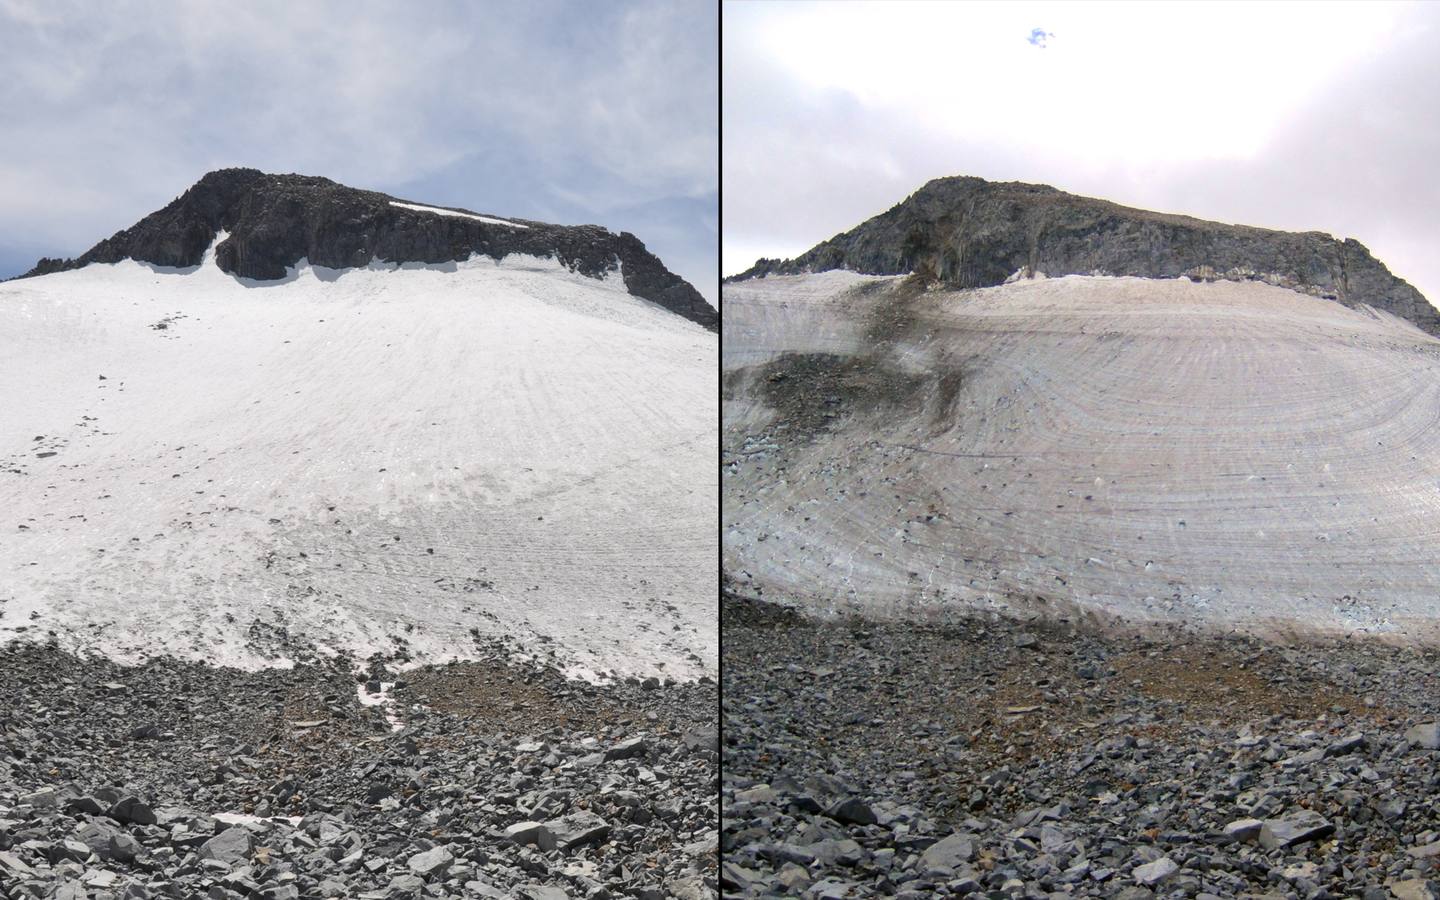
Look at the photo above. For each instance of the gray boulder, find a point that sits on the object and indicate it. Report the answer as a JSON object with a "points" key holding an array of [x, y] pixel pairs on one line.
{"points": [[949, 853], [1305, 825], [577, 829], [432, 862], [233, 845], [1425, 735]]}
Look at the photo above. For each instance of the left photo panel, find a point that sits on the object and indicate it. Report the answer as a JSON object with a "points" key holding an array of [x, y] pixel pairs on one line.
{"points": [[358, 438]]}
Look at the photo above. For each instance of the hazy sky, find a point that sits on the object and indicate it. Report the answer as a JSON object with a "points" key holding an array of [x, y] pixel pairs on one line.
{"points": [[1321, 116], [570, 112]]}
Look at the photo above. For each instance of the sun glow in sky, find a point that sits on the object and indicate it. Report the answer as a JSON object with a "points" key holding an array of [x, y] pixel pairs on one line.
{"points": [[1264, 113], [1134, 82]]}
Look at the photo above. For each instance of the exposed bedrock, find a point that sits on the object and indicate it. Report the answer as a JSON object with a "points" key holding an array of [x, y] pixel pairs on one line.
{"points": [[275, 221], [968, 232]]}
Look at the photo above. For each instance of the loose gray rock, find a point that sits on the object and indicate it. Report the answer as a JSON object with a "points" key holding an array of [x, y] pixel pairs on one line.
{"points": [[1426, 735], [11, 863], [45, 798], [1348, 744], [851, 811], [98, 836], [949, 853], [531, 833], [1413, 889], [577, 829], [1244, 829], [1305, 825], [405, 887], [133, 810], [431, 862], [1155, 872], [312, 827], [233, 845], [626, 749]]}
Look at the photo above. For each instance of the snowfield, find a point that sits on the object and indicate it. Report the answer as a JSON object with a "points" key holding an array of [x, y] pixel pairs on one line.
{"points": [[1232, 455], [357, 460]]}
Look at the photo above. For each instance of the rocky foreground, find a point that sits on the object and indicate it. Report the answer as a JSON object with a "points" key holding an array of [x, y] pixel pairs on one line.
{"points": [[995, 758], [483, 779]]}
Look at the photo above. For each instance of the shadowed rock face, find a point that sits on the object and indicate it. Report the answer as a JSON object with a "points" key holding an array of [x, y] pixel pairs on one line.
{"points": [[968, 232], [275, 221]]}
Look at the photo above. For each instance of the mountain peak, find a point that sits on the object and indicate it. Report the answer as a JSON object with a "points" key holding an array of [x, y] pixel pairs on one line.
{"points": [[275, 221], [967, 232]]}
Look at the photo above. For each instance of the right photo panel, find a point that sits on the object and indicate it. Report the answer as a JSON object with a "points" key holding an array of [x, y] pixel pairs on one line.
{"points": [[1080, 450]]}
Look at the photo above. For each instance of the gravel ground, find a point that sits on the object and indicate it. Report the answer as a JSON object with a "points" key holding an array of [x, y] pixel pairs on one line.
{"points": [[1014, 759], [484, 779]]}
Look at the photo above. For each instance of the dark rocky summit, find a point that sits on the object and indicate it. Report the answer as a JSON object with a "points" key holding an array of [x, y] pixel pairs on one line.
{"points": [[274, 221], [968, 232]]}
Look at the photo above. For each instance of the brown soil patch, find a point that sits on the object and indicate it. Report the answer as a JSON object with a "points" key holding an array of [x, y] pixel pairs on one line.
{"points": [[1212, 685], [500, 697]]}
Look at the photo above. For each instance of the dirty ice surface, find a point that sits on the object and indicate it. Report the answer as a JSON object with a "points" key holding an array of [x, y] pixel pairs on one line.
{"points": [[402, 458], [1229, 455]]}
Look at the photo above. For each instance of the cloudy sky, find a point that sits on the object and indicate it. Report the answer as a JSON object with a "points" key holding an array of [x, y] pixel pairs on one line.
{"points": [[569, 112], [1325, 117]]}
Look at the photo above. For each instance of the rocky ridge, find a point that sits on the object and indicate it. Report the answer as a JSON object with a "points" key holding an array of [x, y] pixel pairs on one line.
{"points": [[274, 221], [966, 232]]}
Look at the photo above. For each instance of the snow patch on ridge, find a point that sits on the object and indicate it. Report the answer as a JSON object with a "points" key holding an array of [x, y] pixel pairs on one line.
{"points": [[459, 215]]}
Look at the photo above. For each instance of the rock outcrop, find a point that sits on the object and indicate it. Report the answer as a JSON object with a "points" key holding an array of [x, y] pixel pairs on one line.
{"points": [[274, 221], [967, 232]]}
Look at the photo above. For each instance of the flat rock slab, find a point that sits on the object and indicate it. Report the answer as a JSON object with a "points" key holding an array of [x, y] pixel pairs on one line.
{"points": [[1296, 828], [577, 829], [1244, 829], [233, 845], [11, 863], [1412, 889], [1425, 735], [134, 810], [949, 853], [431, 862], [627, 749], [851, 811], [1156, 871], [531, 833]]}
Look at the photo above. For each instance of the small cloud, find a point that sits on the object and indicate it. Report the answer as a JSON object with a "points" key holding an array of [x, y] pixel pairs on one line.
{"points": [[1038, 37]]}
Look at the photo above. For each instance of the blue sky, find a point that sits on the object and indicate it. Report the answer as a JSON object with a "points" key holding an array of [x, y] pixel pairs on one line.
{"points": [[570, 112]]}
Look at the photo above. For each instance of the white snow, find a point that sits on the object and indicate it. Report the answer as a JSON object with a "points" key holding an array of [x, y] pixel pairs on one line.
{"points": [[346, 459], [459, 215], [383, 699], [247, 820]]}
